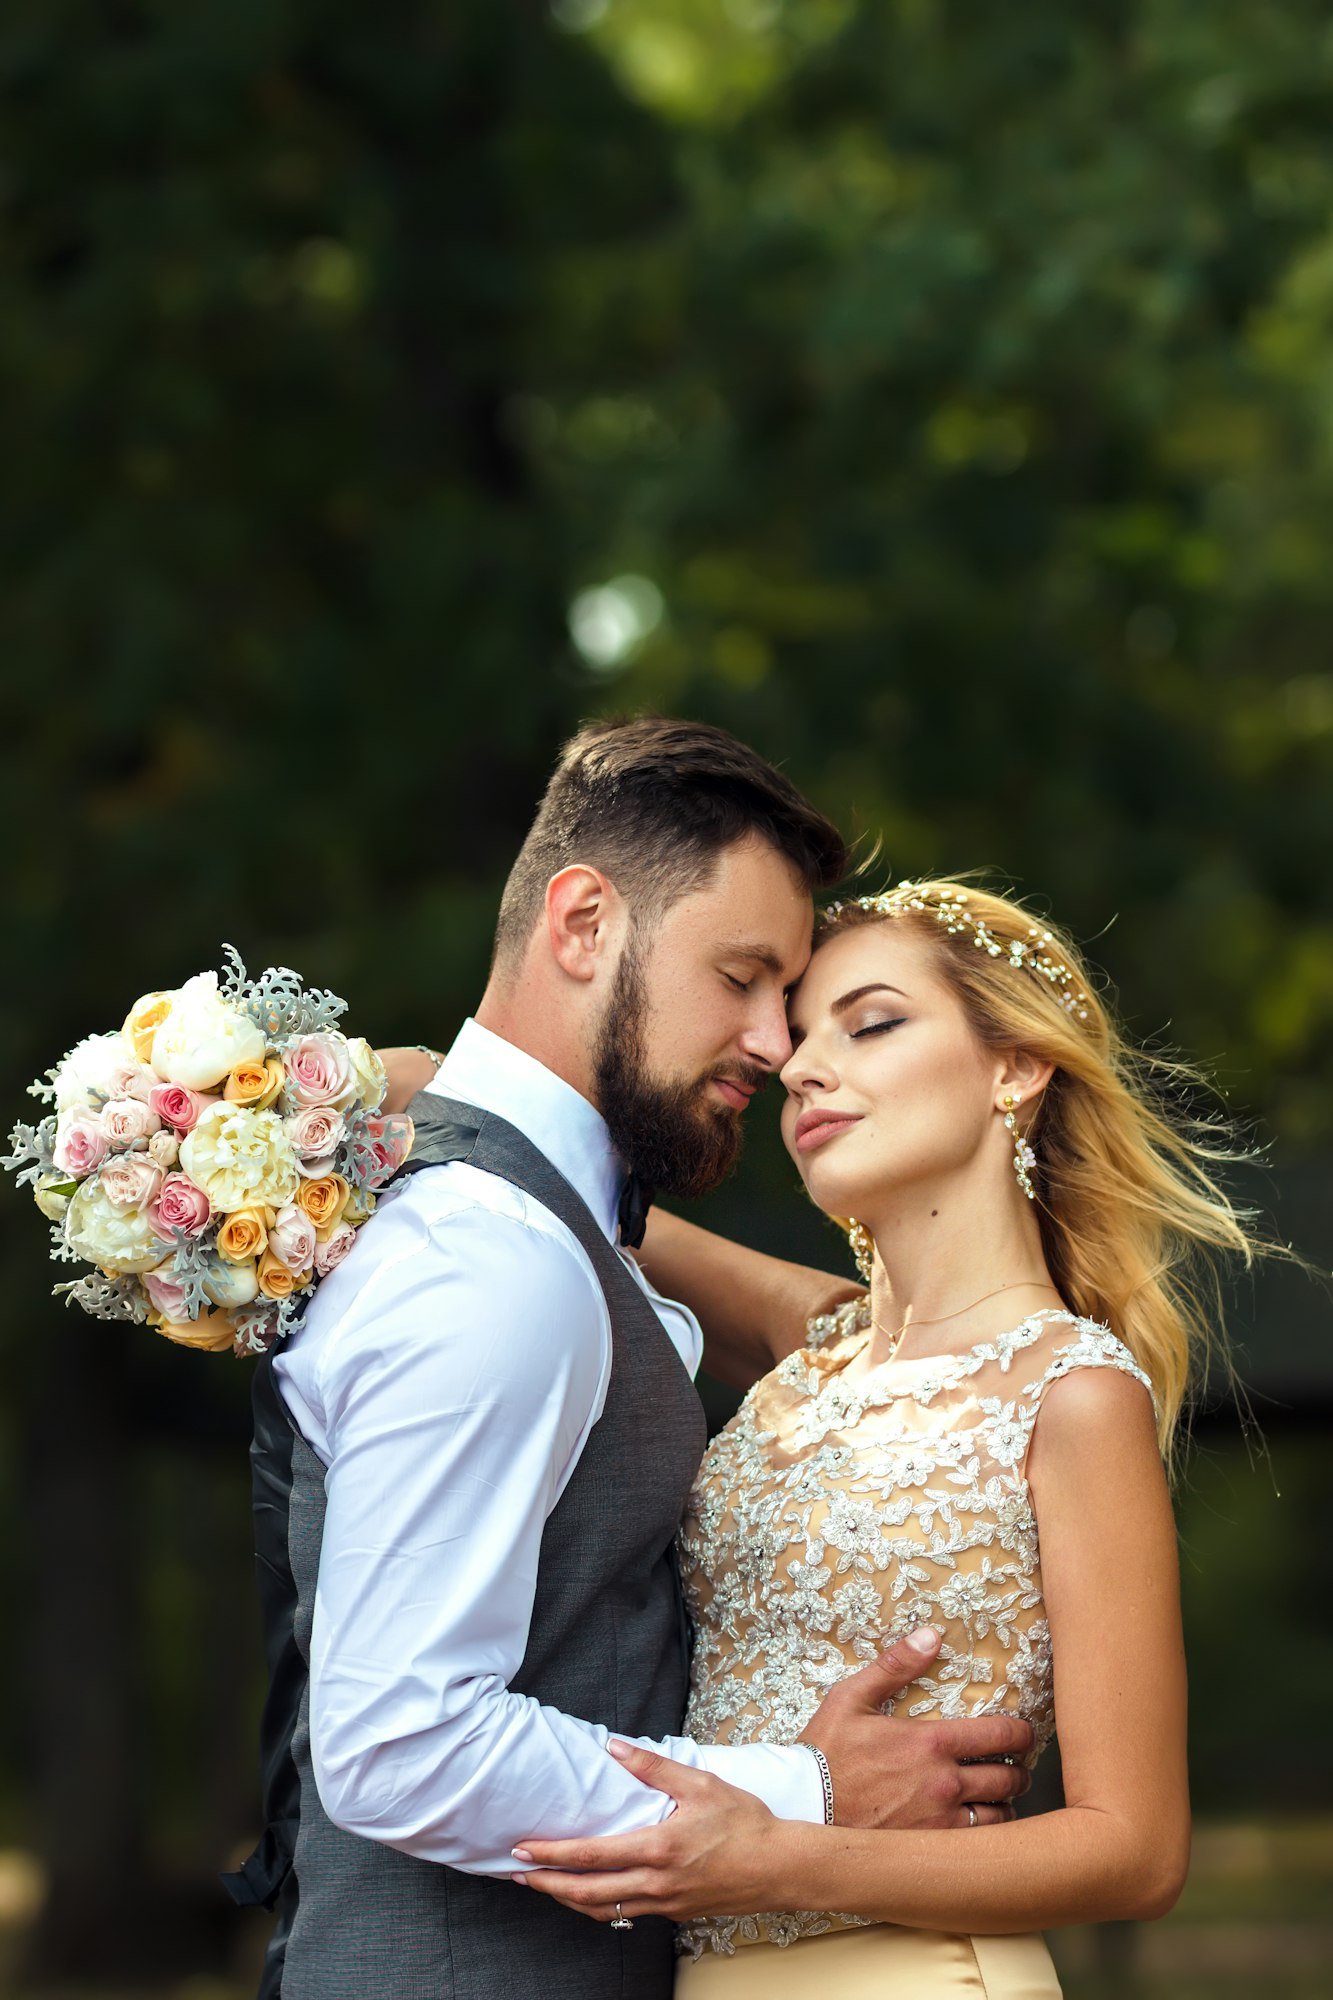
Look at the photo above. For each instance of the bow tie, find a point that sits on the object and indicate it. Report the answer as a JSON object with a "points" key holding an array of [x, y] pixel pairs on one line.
{"points": [[636, 1198]]}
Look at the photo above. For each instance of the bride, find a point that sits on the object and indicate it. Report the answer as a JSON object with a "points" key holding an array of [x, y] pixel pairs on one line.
{"points": [[973, 1450]]}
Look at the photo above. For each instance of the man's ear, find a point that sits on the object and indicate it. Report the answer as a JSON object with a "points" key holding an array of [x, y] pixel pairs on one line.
{"points": [[585, 920]]}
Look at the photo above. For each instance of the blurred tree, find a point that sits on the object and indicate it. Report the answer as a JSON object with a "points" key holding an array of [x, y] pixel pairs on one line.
{"points": [[940, 399]]}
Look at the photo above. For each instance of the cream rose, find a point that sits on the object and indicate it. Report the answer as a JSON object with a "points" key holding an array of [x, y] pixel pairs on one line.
{"points": [[240, 1158], [232, 1285], [52, 1196], [165, 1148], [120, 1240], [330, 1253], [204, 1037], [292, 1238], [369, 1081]]}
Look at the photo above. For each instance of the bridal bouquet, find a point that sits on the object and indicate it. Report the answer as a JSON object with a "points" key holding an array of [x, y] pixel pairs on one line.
{"points": [[212, 1159]]}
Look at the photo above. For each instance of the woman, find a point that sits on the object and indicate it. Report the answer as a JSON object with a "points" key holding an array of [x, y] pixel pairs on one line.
{"points": [[976, 1447]]}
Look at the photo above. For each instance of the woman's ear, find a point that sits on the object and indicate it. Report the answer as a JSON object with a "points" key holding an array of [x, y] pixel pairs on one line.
{"points": [[1024, 1075]]}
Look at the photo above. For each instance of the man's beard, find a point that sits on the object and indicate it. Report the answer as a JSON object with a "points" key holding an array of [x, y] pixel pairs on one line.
{"points": [[669, 1133]]}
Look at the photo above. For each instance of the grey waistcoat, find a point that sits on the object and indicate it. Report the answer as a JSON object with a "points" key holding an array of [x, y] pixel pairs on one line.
{"points": [[607, 1642]]}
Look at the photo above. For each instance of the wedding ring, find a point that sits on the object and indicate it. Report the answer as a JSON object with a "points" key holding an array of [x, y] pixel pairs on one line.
{"points": [[620, 1922], [971, 1820]]}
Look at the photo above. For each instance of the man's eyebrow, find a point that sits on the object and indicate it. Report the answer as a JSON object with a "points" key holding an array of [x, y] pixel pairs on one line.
{"points": [[762, 954], [859, 993]]}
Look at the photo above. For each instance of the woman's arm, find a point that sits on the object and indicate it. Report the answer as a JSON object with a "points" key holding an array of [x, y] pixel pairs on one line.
{"points": [[753, 1309], [1120, 1845], [408, 1071]]}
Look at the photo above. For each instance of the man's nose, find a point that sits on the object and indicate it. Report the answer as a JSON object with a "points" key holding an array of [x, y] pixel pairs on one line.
{"points": [[767, 1039]]}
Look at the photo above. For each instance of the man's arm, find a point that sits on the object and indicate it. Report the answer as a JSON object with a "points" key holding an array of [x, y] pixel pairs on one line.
{"points": [[457, 1390]]}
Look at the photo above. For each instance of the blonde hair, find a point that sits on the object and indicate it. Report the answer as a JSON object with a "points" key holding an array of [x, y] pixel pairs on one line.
{"points": [[1133, 1218]]}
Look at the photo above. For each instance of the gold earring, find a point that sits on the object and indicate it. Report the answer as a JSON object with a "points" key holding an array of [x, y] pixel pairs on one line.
{"points": [[863, 1249], [1024, 1157]]}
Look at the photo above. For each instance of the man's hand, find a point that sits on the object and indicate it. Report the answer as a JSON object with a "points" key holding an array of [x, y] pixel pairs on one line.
{"points": [[901, 1773]]}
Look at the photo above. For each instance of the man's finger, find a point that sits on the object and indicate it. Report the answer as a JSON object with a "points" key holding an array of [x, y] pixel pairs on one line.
{"points": [[986, 1737], [982, 1815], [898, 1665], [993, 1783]]}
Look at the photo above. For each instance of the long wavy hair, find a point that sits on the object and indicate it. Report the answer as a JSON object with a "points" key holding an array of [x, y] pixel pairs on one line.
{"points": [[1135, 1223]]}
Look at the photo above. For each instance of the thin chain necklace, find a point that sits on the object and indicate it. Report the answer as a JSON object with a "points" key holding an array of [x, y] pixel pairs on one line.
{"points": [[943, 1318]]}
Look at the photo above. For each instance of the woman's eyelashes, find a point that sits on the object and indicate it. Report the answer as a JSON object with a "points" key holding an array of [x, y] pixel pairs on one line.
{"points": [[877, 1028]]}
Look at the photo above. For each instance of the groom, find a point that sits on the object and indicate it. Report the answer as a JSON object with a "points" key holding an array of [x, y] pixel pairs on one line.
{"points": [[471, 1458]]}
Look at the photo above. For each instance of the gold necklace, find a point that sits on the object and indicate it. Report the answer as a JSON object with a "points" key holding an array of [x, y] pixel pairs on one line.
{"points": [[944, 1318]]}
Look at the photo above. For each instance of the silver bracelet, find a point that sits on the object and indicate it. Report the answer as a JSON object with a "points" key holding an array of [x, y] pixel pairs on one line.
{"points": [[825, 1780]]}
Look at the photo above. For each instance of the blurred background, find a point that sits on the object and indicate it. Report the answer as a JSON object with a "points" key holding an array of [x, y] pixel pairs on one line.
{"points": [[939, 397]]}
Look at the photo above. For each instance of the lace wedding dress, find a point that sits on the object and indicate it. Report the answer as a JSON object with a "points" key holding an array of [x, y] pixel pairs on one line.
{"points": [[829, 1517]]}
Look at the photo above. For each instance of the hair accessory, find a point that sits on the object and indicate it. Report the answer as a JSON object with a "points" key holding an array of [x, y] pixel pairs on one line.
{"points": [[1024, 1157], [863, 1249], [949, 908]]}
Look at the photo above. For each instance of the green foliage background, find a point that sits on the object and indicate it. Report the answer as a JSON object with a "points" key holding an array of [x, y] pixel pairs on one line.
{"points": [[942, 398]]}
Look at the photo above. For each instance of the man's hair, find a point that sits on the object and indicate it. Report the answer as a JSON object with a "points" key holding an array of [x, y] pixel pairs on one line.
{"points": [[652, 803]]}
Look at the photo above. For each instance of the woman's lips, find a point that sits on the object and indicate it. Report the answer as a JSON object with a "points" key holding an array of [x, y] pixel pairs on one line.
{"points": [[814, 1127]]}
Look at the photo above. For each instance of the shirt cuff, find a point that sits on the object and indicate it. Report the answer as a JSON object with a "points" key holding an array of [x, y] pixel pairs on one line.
{"points": [[785, 1776]]}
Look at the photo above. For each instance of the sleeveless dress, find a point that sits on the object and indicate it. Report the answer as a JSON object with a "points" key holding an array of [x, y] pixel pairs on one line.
{"points": [[828, 1519]]}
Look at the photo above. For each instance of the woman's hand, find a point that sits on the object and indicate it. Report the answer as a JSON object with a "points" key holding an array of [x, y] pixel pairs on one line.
{"points": [[715, 1855], [408, 1071]]}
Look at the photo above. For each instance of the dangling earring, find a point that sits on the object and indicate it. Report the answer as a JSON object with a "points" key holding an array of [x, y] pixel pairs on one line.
{"points": [[1024, 1157], [863, 1249]]}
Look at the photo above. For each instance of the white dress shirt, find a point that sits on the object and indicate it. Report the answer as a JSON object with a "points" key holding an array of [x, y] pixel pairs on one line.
{"points": [[448, 1374]]}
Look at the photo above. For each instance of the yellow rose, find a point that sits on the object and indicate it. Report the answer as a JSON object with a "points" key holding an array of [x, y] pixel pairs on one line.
{"points": [[211, 1333], [143, 1021], [324, 1200], [244, 1234], [360, 1205], [276, 1281], [241, 1159], [255, 1084]]}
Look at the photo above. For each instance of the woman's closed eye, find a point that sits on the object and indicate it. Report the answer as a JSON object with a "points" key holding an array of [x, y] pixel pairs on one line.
{"points": [[877, 1027]]}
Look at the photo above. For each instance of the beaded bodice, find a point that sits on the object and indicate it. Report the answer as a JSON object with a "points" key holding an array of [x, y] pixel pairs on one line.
{"points": [[833, 1515]]}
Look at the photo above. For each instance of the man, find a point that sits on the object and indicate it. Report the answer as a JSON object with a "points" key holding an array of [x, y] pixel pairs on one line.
{"points": [[472, 1456]]}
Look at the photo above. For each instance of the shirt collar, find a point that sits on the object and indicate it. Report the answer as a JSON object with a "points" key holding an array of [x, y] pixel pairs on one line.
{"points": [[485, 1070]]}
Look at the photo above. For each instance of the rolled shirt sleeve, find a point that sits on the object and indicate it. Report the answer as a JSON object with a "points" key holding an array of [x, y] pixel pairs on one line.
{"points": [[457, 1377]]}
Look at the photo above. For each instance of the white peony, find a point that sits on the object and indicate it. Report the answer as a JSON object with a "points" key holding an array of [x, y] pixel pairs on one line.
{"points": [[240, 1158], [119, 1240], [204, 1037], [84, 1079]]}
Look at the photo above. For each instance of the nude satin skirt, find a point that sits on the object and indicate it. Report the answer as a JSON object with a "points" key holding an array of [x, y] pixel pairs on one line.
{"points": [[881, 1962]]}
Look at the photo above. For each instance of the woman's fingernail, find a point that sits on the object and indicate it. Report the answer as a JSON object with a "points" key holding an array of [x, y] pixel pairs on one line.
{"points": [[922, 1640], [620, 1751], [522, 1880], [520, 1853]]}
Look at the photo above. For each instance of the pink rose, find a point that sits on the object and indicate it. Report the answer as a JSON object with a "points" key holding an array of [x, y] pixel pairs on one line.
{"points": [[292, 1238], [126, 1120], [330, 1253], [80, 1145], [167, 1293], [315, 1132], [130, 1180], [390, 1137], [130, 1079], [183, 1205], [319, 1070], [177, 1106]]}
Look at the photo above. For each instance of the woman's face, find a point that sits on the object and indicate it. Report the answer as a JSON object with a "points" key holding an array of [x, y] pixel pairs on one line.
{"points": [[887, 1087]]}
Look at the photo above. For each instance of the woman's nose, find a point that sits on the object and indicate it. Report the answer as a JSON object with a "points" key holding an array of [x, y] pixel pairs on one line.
{"points": [[805, 1069]]}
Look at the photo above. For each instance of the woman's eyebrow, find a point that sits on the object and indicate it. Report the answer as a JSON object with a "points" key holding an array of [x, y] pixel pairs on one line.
{"points": [[859, 993]]}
